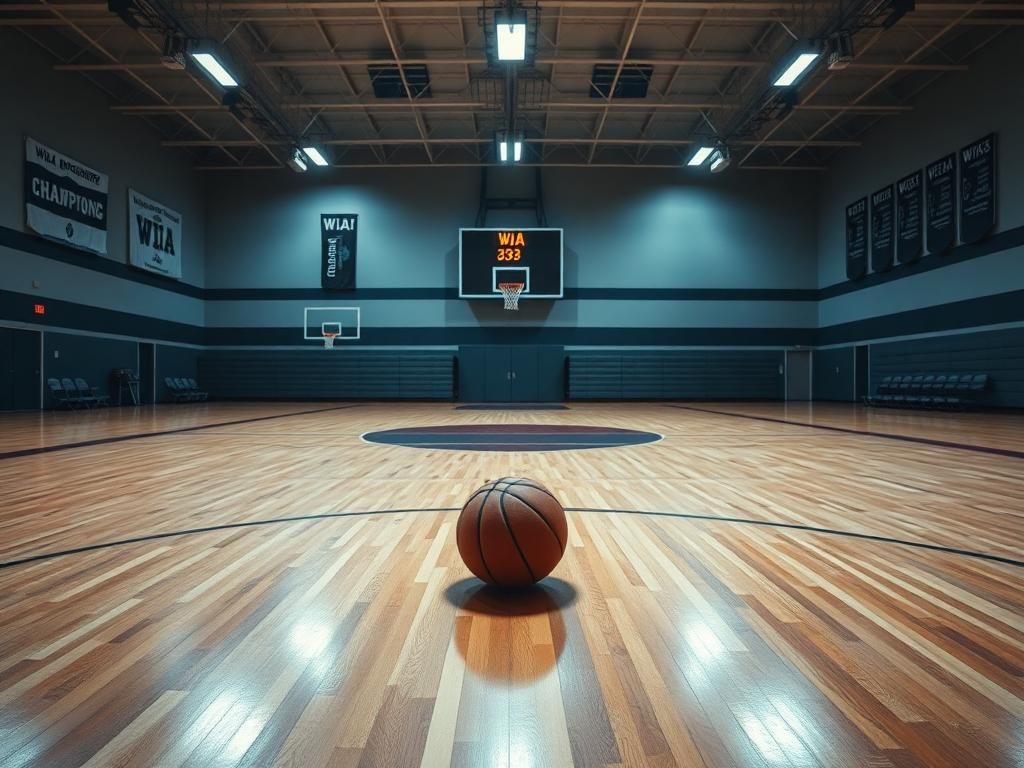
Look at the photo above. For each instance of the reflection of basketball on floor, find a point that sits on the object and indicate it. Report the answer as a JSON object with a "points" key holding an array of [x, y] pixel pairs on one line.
{"points": [[512, 635], [512, 532]]}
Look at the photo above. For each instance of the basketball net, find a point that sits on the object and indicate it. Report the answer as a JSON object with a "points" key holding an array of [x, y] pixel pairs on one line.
{"points": [[511, 292], [329, 340]]}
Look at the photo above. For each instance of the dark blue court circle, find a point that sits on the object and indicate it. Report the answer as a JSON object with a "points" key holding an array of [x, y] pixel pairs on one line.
{"points": [[511, 437]]}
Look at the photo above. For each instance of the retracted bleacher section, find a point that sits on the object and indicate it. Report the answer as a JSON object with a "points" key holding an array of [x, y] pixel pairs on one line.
{"points": [[676, 375], [322, 375]]}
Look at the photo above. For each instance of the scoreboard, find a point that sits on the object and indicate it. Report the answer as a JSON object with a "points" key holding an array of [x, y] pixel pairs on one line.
{"points": [[488, 257]]}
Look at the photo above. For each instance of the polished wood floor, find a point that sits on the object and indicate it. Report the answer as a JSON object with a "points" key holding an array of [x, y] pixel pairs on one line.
{"points": [[276, 592]]}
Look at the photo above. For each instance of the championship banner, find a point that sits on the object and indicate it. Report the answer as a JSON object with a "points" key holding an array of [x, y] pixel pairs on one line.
{"points": [[883, 244], [940, 203], [65, 200], [338, 250], [154, 236], [978, 189], [857, 239], [909, 218]]}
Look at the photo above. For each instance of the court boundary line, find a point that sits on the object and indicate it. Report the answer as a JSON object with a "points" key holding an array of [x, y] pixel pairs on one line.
{"points": [[1001, 559], [1007, 452], [160, 433]]}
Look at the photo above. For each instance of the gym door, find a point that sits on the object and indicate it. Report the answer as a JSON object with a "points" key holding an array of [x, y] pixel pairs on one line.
{"points": [[511, 374], [19, 370]]}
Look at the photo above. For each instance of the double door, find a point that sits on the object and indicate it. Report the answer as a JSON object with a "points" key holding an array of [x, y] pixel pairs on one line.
{"points": [[511, 374]]}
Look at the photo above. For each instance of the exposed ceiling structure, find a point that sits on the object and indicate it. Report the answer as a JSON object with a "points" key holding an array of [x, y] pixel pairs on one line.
{"points": [[613, 83]]}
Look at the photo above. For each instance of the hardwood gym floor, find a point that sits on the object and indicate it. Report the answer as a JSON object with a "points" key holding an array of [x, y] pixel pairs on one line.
{"points": [[764, 618]]}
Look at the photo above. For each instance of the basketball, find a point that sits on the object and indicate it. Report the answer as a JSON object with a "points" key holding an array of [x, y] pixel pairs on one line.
{"points": [[512, 532]]}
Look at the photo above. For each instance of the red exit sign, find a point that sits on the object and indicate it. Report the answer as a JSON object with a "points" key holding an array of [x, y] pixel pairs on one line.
{"points": [[39, 309]]}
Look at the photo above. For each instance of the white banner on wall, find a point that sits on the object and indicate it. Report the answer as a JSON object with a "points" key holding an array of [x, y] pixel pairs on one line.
{"points": [[64, 199], [154, 236]]}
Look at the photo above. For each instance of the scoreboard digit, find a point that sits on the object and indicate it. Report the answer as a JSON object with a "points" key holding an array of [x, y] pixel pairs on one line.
{"points": [[532, 256]]}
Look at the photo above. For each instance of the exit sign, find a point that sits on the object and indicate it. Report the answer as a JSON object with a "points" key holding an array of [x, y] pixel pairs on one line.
{"points": [[39, 309]]}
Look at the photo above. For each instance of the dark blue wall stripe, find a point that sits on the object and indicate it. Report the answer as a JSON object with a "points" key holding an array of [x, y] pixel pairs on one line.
{"points": [[17, 307], [970, 313], [49, 249], [562, 336], [38, 246], [985, 310], [1011, 238]]}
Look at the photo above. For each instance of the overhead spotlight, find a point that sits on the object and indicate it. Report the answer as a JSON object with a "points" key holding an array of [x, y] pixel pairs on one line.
{"points": [[510, 147], [214, 65], [173, 54], [510, 31], [702, 154], [296, 161], [314, 154], [840, 51], [720, 159], [797, 63]]}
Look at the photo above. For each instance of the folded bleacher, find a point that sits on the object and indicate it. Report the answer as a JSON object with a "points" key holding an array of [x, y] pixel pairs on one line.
{"points": [[952, 390]]}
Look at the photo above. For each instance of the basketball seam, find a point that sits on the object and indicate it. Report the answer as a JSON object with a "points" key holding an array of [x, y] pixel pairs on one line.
{"points": [[504, 517], [485, 489], [533, 509], [523, 482], [479, 536]]}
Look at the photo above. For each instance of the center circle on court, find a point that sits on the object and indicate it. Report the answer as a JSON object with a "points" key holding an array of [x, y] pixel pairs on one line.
{"points": [[511, 437]]}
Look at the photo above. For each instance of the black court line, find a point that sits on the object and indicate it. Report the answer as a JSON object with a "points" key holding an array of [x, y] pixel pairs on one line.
{"points": [[888, 435], [680, 515], [512, 407], [160, 433]]}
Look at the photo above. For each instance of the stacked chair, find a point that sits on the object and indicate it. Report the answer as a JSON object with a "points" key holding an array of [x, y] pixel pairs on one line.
{"points": [[184, 390], [964, 390]]}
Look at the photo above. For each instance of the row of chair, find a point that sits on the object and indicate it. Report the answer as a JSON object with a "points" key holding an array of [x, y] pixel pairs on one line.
{"points": [[184, 390], [75, 393], [931, 390]]}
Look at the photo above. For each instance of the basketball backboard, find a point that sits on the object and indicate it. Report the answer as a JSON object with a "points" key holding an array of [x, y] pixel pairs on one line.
{"points": [[531, 256], [338, 323]]}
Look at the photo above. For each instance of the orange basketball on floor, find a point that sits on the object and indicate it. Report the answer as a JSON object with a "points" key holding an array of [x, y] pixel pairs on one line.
{"points": [[512, 532]]}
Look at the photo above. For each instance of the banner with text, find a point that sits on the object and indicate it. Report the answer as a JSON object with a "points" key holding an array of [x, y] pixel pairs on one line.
{"points": [[940, 183], [882, 229], [154, 236], [338, 250], [65, 200], [857, 238], [978, 189], [909, 218]]}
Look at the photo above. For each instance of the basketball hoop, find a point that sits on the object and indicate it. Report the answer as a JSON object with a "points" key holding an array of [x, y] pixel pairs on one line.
{"points": [[329, 337], [511, 292]]}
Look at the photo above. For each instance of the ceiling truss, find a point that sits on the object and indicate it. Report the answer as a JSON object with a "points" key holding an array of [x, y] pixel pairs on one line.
{"points": [[309, 61]]}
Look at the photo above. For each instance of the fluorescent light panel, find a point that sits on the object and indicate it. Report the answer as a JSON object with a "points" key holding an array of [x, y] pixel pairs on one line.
{"points": [[701, 155], [314, 154], [797, 68], [215, 69], [511, 40], [517, 152]]}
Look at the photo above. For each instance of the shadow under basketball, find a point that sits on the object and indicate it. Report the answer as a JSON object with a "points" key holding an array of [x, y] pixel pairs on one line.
{"points": [[510, 635]]}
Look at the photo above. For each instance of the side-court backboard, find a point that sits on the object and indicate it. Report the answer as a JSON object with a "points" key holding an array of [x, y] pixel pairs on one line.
{"points": [[335, 323]]}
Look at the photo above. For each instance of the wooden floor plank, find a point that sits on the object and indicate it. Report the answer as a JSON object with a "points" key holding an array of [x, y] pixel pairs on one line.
{"points": [[293, 595]]}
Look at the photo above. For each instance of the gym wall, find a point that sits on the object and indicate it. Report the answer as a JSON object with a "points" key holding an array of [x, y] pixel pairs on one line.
{"points": [[948, 304], [97, 300], [650, 258]]}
